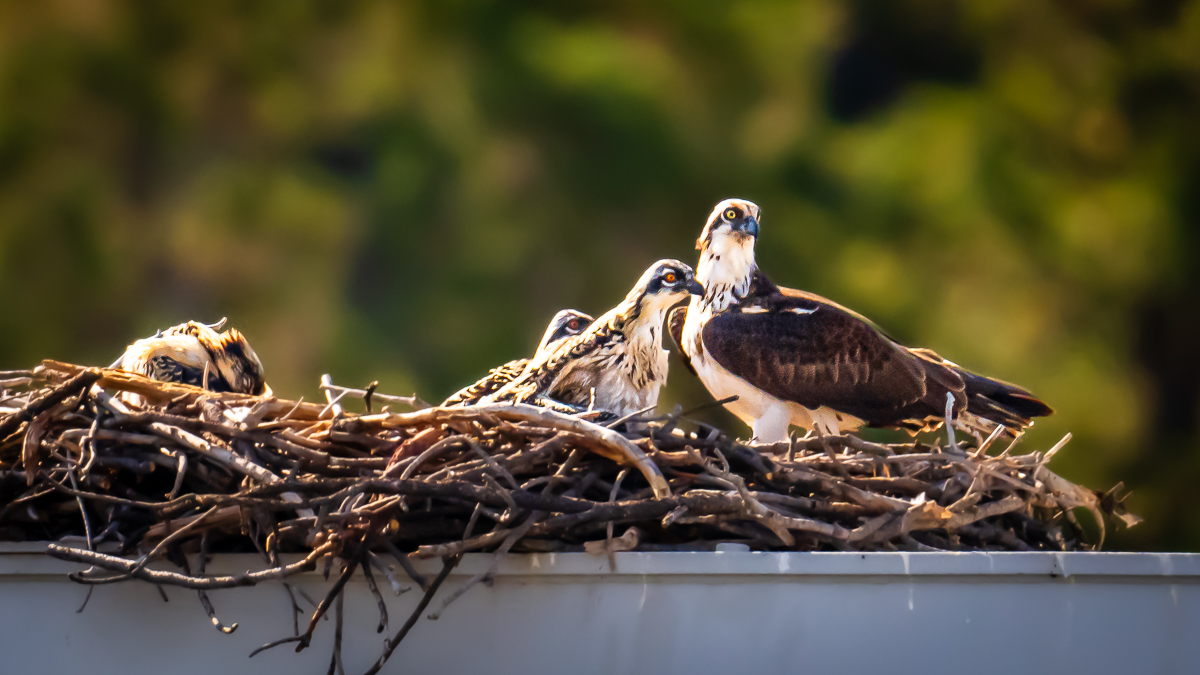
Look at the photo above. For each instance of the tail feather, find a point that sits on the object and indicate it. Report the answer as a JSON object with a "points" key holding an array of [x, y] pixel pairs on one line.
{"points": [[993, 400], [1001, 401]]}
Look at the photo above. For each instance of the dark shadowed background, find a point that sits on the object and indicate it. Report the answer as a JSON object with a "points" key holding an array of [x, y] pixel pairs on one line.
{"points": [[407, 191]]}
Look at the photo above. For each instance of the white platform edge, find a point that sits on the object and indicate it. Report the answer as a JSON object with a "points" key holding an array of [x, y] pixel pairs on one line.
{"points": [[28, 559]]}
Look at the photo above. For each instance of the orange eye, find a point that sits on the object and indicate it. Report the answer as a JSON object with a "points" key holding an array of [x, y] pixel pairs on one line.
{"points": [[731, 214], [670, 277]]}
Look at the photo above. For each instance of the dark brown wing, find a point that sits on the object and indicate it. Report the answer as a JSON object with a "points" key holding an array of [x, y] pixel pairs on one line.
{"points": [[167, 369], [802, 349], [675, 319], [765, 292], [992, 399]]}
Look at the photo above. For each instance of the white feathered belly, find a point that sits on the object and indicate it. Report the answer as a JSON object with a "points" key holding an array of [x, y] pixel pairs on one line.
{"points": [[767, 415], [752, 403], [621, 398], [624, 388]]}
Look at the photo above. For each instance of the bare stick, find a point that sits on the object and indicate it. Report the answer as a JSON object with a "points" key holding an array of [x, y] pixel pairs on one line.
{"points": [[608, 533], [950, 423], [511, 538], [87, 526], [402, 560], [180, 471], [204, 601], [411, 401], [276, 643], [631, 416], [124, 566], [501, 471], [172, 538], [335, 663], [296, 611], [390, 646], [86, 599], [383, 612], [432, 451], [333, 593], [219, 455], [333, 405]]}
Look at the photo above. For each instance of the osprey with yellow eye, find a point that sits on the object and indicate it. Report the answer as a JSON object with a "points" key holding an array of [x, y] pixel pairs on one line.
{"points": [[795, 358]]}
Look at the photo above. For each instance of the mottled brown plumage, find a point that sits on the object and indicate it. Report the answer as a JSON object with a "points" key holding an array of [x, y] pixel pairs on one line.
{"points": [[195, 353], [566, 323], [618, 364]]}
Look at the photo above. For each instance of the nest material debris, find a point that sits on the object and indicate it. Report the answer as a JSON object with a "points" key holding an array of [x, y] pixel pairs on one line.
{"points": [[145, 474]]}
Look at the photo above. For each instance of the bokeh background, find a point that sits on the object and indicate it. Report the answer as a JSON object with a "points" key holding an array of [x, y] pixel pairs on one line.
{"points": [[407, 191]]}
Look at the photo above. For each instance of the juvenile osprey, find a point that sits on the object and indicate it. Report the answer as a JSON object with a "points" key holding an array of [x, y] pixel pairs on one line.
{"points": [[566, 323], [195, 353], [795, 358], [618, 364]]}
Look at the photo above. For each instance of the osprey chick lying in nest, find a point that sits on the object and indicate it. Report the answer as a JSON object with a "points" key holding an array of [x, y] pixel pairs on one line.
{"points": [[195, 353]]}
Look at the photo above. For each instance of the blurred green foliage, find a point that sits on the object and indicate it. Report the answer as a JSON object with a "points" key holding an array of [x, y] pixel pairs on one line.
{"points": [[407, 191]]}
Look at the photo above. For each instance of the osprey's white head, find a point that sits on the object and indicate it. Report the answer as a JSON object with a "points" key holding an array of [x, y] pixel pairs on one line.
{"points": [[727, 248]]}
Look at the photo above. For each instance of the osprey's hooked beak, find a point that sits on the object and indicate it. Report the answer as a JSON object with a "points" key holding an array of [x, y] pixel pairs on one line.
{"points": [[749, 225], [695, 288]]}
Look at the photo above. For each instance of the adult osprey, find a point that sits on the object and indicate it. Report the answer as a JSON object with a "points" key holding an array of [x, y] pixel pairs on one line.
{"points": [[795, 358], [195, 353], [566, 323], [618, 363]]}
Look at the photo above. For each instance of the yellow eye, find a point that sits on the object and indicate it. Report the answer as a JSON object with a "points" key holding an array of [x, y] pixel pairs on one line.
{"points": [[730, 214], [670, 277]]}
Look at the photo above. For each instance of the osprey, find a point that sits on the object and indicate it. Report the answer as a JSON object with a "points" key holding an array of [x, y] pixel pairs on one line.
{"points": [[195, 353], [795, 358], [566, 323], [618, 363]]}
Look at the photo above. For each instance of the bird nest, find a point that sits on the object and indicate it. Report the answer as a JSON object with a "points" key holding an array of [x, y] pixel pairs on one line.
{"points": [[135, 477]]}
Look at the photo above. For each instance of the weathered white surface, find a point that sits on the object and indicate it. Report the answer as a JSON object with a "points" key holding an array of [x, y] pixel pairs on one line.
{"points": [[727, 612]]}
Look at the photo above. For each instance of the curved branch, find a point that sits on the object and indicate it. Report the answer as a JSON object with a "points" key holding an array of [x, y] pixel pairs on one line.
{"points": [[608, 443]]}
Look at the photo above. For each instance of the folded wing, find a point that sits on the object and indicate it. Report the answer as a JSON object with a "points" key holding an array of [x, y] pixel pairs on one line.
{"points": [[817, 354]]}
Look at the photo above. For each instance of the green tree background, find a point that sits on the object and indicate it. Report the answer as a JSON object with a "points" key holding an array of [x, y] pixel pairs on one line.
{"points": [[407, 191]]}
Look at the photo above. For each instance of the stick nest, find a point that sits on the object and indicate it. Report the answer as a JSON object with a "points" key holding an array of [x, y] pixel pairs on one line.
{"points": [[136, 472]]}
